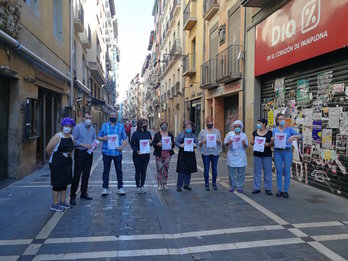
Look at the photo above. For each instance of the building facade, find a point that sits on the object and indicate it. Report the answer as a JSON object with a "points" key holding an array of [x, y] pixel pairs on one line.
{"points": [[296, 64]]}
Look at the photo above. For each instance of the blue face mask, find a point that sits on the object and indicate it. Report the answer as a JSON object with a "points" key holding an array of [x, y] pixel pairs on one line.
{"points": [[282, 123], [238, 130], [188, 130], [259, 126]]}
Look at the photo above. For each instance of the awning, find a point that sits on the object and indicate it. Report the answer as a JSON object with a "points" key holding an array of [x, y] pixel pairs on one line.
{"points": [[81, 86]]}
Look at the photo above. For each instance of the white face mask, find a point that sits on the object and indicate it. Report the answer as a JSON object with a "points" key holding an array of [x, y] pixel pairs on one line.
{"points": [[88, 122], [66, 130]]}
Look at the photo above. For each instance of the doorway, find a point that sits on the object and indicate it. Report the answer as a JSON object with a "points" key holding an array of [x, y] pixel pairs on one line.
{"points": [[4, 109]]}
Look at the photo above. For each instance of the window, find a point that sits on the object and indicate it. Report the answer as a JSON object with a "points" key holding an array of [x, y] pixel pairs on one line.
{"points": [[32, 118], [83, 69], [33, 5], [58, 19], [234, 27]]}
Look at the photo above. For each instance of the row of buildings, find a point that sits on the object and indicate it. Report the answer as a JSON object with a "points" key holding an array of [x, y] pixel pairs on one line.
{"points": [[246, 59], [57, 59]]}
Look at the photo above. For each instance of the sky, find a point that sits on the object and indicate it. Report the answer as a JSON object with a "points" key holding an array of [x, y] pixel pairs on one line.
{"points": [[135, 22]]}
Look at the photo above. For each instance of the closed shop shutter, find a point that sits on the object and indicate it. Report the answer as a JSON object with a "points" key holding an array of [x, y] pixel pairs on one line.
{"points": [[322, 159]]}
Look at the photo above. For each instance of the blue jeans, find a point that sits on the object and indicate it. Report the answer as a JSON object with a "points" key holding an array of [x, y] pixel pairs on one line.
{"points": [[118, 166], [206, 161], [264, 163], [183, 178], [240, 176], [282, 161]]}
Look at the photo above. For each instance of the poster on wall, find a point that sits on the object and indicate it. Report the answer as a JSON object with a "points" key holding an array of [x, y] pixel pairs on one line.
{"points": [[317, 109], [344, 122], [341, 144], [334, 117], [279, 89], [326, 139], [338, 89], [307, 134], [316, 150], [270, 116], [324, 86], [307, 152], [302, 92], [316, 131], [308, 117]]}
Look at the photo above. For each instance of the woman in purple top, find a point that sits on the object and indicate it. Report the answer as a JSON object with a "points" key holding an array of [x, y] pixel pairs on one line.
{"points": [[283, 137]]}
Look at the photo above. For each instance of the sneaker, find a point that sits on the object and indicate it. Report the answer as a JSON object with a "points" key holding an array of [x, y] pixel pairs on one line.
{"points": [[269, 192], [178, 189], [240, 190], [231, 189], [121, 191], [256, 191], [214, 187], [165, 186], [159, 187], [57, 208], [138, 190], [143, 190], [207, 188], [86, 196], [279, 194], [72, 201], [187, 188], [285, 195], [65, 205], [105, 192]]}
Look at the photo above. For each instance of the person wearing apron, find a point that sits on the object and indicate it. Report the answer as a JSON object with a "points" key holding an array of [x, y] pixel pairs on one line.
{"points": [[60, 147], [186, 163]]}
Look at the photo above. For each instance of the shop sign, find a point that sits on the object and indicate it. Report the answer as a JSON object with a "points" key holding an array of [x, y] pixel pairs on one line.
{"points": [[227, 89], [302, 29]]}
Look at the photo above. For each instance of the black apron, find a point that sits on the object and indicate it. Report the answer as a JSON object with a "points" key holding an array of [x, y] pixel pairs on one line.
{"points": [[61, 166], [186, 161]]}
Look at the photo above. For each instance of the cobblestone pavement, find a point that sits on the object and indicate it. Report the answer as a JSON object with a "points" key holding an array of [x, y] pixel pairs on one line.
{"points": [[171, 225]]}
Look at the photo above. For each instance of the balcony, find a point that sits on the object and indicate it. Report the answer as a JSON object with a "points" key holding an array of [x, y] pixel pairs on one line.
{"points": [[228, 64], [208, 74], [176, 7], [173, 91], [190, 18], [155, 102], [78, 16], [255, 3], [210, 8], [176, 47], [97, 72], [177, 88], [169, 94], [86, 38], [189, 64]]}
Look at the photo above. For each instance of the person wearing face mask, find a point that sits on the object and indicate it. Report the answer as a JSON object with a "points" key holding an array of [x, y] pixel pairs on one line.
{"points": [[211, 152], [60, 148], [140, 160], [162, 156], [84, 135], [114, 139], [237, 142], [283, 154], [263, 159], [186, 163]]}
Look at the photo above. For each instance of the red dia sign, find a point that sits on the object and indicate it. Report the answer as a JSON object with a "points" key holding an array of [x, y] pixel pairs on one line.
{"points": [[302, 29]]}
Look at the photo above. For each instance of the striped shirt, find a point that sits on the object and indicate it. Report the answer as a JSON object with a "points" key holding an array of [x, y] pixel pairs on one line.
{"points": [[106, 130]]}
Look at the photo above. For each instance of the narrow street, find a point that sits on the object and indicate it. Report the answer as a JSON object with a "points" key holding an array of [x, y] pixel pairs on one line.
{"points": [[171, 225]]}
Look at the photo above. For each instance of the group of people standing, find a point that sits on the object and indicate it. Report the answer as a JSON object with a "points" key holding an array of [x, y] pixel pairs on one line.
{"points": [[114, 135]]}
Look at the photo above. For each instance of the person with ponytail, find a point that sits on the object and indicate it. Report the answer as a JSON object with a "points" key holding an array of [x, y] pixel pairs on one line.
{"points": [[283, 136], [60, 148]]}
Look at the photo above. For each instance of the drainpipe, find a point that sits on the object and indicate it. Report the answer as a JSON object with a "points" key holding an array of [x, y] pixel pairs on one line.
{"points": [[71, 55], [203, 96], [244, 66], [18, 46]]}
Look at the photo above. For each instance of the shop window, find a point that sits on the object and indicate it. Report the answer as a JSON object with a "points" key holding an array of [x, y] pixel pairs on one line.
{"points": [[32, 118]]}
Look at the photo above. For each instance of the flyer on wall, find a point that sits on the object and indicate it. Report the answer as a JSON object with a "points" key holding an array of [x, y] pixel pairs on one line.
{"points": [[316, 131], [326, 141]]}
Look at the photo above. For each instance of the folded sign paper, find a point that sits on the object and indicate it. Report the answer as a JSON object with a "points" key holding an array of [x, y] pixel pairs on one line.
{"points": [[259, 144], [237, 142], [144, 146], [113, 142], [280, 140], [166, 143], [188, 144], [211, 141]]}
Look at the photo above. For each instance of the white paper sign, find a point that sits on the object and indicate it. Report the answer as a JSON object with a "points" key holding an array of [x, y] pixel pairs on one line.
{"points": [[113, 142], [280, 140], [166, 143], [94, 145], [188, 144], [211, 141], [144, 146], [259, 144], [237, 142]]}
